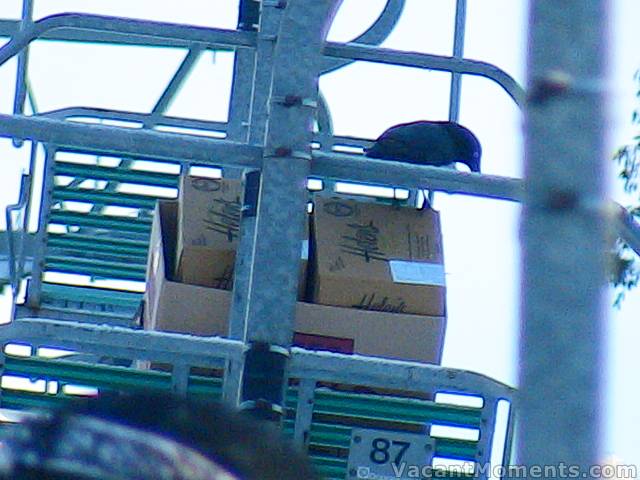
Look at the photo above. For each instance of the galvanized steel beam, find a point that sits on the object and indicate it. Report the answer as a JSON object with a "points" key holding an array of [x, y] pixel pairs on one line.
{"points": [[458, 53], [21, 72], [176, 82], [194, 350], [281, 211], [374, 35], [186, 34], [240, 101], [283, 195], [113, 341], [433, 62], [382, 172], [8, 28], [119, 141], [178, 147], [270, 21], [392, 374], [69, 113]]}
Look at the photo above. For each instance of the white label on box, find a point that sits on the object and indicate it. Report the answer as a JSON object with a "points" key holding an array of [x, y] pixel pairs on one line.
{"points": [[420, 273], [304, 253]]}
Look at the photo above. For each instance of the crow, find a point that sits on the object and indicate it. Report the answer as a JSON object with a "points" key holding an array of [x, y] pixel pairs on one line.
{"points": [[428, 143]]}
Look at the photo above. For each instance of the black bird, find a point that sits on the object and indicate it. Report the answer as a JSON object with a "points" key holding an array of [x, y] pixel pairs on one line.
{"points": [[428, 143]]}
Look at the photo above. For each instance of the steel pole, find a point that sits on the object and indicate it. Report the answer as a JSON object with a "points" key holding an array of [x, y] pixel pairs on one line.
{"points": [[563, 237], [281, 207]]}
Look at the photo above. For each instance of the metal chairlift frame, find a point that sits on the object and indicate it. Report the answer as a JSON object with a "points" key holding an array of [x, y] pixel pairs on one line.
{"points": [[253, 141]]}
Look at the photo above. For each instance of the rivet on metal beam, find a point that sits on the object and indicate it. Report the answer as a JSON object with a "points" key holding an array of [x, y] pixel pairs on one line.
{"points": [[287, 152], [557, 83], [294, 101], [562, 200], [281, 4]]}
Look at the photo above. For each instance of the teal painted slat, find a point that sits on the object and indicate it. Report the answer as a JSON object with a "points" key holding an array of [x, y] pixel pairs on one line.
{"points": [[116, 174], [90, 262], [90, 243], [19, 400], [450, 448], [401, 410], [99, 376], [53, 291], [104, 198], [95, 220], [98, 268], [352, 408], [207, 387]]}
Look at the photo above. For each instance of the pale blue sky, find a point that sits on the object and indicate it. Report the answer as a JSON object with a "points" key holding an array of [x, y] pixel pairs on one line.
{"points": [[480, 236]]}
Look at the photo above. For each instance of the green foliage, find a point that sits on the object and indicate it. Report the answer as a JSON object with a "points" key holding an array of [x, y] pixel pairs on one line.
{"points": [[624, 271]]}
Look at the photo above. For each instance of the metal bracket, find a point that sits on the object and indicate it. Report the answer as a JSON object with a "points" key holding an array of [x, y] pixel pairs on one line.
{"points": [[294, 101], [280, 4], [280, 152], [260, 394], [251, 193]]}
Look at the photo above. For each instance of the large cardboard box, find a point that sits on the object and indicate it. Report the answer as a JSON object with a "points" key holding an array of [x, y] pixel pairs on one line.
{"points": [[209, 214], [377, 257], [208, 230], [180, 307]]}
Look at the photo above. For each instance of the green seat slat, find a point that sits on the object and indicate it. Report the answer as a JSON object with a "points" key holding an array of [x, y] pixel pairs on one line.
{"points": [[352, 408], [329, 468], [20, 400], [91, 262], [100, 246], [87, 257], [105, 375], [85, 243], [94, 267], [322, 434], [116, 174], [99, 376], [330, 435], [105, 198], [108, 316], [396, 409], [447, 447], [108, 273], [331, 473], [329, 461], [96, 220], [399, 410], [333, 441], [53, 291], [205, 386]]}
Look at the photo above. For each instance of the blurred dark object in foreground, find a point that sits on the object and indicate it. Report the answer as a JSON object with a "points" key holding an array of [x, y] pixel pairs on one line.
{"points": [[149, 437]]}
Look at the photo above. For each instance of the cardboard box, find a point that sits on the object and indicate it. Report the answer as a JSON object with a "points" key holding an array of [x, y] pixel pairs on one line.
{"points": [[209, 213], [377, 257], [208, 230], [179, 307]]}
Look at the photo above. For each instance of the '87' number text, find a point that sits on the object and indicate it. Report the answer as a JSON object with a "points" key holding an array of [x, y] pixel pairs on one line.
{"points": [[383, 449]]}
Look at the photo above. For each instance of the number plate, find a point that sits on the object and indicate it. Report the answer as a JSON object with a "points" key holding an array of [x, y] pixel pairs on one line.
{"points": [[385, 455]]}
